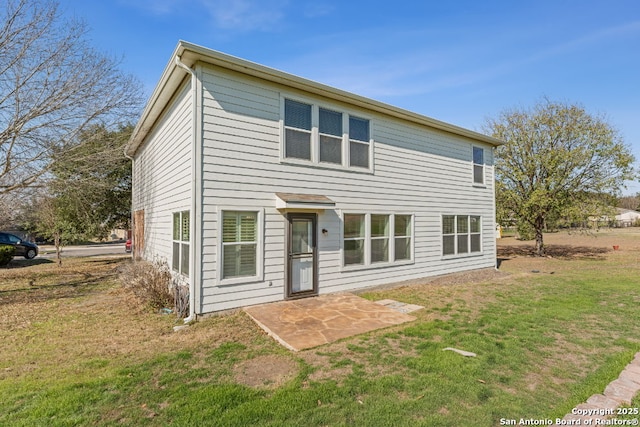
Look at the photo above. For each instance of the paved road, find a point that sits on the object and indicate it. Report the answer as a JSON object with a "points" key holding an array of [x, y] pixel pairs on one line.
{"points": [[49, 252]]}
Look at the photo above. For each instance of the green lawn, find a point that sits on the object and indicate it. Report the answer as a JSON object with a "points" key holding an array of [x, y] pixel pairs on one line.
{"points": [[75, 354]]}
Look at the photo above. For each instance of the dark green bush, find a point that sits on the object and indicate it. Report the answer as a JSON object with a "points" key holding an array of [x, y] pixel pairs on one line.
{"points": [[6, 254]]}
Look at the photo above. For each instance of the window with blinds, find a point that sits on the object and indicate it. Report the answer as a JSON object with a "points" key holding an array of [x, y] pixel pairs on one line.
{"points": [[325, 137], [358, 142], [239, 244], [330, 129], [297, 130]]}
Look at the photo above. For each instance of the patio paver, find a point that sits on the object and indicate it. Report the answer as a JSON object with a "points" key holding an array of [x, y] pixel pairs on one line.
{"points": [[310, 322]]}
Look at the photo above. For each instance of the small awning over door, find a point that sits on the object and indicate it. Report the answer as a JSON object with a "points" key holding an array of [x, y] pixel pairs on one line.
{"points": [[294, 201]]}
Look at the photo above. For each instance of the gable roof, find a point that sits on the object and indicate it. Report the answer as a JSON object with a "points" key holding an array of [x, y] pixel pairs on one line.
{"points": [[189, 54]]}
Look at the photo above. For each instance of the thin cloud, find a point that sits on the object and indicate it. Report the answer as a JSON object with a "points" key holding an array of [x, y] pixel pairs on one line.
{"points": [[318, 9], [156, 7], [586, 41], [395, 72], [232, 15], [246, 15]]}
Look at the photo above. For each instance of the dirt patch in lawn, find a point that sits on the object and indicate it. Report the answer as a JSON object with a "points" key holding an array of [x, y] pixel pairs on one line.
{"points": [[574, 245], [556, 251], [267, 371]]}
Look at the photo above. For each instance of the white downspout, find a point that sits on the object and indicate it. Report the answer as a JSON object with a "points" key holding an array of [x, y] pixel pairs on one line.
{"points": [[133, 257], [194, 194], [495, 208]]}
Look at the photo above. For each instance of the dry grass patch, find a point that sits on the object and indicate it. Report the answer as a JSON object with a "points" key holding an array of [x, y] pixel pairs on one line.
{"points": [[80, 313], [268, 371]]}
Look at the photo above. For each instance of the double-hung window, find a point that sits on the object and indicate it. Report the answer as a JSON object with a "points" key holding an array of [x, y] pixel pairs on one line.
{"points": [[402, 237], [180, 241], [474, 234], [354, 239], [239, 244], [478, 165], [461, 234], [297, 130], [371, 239], [359, 142], [330, 130], [379, 238]]}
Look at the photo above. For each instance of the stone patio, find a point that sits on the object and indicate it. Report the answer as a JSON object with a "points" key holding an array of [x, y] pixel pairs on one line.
{"points": [[310, 322]]}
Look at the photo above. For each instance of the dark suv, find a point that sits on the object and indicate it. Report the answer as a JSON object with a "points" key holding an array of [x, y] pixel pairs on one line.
{"points": [[23, 248]]}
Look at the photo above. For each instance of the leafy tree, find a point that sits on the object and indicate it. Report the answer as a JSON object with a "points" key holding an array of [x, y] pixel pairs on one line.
{"points": [[93, 180], [557, 159], [50, 220], [53, 87], [89, 192]]}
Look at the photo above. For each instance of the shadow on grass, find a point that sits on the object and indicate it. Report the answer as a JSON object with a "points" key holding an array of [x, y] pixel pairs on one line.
{"points": [[22, 263], [67, 284], [41, 293], [554, 251]]}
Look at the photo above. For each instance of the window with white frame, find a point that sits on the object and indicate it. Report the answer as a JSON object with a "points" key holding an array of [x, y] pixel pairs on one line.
{"points": [[330, 130], [379, 238], [180, 240], [239, 244], [325, 136], [297, 130], [358, 142], [371, 239], [478, 165], [354, 239], [461, 234], [402, 237]]}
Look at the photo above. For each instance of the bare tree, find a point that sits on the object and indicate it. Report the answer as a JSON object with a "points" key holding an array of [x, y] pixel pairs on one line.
{"points": [[53, 86], [629, 202]]}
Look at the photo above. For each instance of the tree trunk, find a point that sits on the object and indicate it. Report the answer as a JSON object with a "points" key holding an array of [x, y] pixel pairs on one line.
{"points": [[539, 225], [56, 242]]}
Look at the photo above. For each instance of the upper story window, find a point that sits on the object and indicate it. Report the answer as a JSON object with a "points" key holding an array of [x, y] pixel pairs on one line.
{"points": [[326, 137], [297, 130], [358, 142], [478, 165], [330, 132]]}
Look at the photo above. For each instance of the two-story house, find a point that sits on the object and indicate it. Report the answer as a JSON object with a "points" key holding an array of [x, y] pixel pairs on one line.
{"points": [[256, 185]]}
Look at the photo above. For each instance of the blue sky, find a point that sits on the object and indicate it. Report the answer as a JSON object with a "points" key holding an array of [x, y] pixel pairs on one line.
{"points": [[460, 62]]}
